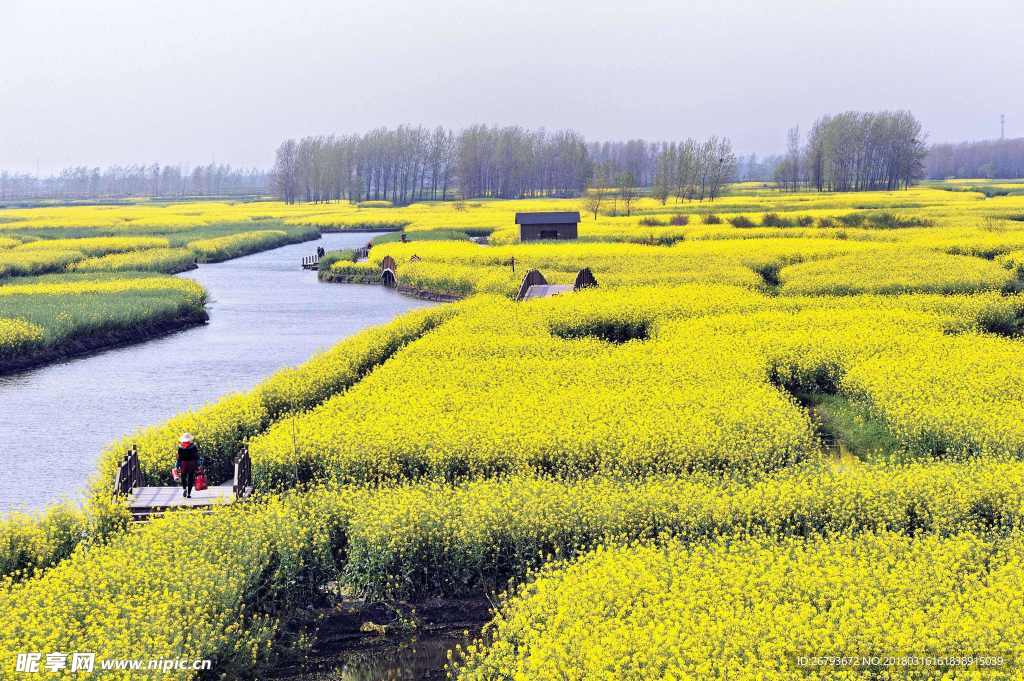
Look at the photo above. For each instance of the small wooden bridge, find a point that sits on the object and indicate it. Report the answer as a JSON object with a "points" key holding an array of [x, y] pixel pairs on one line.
{"points": [[535, 285], [145, 501], [311, 262]]}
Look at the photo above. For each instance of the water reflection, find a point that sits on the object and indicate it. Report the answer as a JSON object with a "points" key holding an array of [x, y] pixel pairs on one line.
{"points": [[413, 659]]}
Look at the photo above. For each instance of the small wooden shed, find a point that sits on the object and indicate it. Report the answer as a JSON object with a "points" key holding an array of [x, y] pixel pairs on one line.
{"points": [[548, 225]]}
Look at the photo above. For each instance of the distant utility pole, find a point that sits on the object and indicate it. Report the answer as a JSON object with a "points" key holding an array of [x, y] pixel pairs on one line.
{"points": [[1002, 126]]}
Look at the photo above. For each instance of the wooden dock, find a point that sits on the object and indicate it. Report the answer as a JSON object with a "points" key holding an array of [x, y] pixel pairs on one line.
{"points": [[145, 501]]}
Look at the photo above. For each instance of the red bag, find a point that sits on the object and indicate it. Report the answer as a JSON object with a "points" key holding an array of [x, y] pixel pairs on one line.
{"points": [[200, 481], [176, 474]]}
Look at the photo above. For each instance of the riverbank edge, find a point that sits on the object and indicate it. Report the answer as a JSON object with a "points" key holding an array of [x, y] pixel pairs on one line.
{"points": [[334, 229], [108, 339], [290, 240], [406, 290]]}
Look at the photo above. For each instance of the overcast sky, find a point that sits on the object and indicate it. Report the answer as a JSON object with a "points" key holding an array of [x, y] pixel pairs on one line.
{"points": [[189, 81]]}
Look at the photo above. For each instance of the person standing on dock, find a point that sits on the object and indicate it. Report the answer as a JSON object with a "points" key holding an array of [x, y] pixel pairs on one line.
{"points": [[188, 462]]}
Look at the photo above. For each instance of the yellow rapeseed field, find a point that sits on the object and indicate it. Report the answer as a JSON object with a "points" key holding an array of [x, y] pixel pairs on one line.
{"points": [[17, 336], [149, 260], [644, 460], [763, 609], [14, 262], [94, 246]]}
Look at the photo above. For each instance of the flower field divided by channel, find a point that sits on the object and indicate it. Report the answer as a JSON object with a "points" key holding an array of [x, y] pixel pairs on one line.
{"points": [[66, 307], [225, 425], [115, 240], [235, 245], [638, 467]]}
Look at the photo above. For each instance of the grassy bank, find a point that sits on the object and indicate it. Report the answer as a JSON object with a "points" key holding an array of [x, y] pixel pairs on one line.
{"points": [[76, 314]]}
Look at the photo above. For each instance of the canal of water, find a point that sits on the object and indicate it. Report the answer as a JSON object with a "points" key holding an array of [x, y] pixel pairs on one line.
{"points": [[265, 313]]}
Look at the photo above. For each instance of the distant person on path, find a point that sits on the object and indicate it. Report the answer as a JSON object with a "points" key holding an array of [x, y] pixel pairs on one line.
{"points": [[188, 462], [320, 251]]}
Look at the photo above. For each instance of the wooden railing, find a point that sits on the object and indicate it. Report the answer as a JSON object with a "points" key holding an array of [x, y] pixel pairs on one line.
{"points": [[243, 474], [129, 473], [310, 262]]}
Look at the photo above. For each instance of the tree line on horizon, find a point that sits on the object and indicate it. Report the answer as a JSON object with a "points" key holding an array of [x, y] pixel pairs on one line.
{"points": [[851, 151], [991, 159], [154, 181]]}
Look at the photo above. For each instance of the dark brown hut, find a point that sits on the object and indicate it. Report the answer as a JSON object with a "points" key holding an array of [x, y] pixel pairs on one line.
{"points": [[547, 225]]}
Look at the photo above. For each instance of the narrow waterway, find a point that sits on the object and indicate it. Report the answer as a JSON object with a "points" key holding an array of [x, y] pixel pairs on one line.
{"points": [[265, 313]]}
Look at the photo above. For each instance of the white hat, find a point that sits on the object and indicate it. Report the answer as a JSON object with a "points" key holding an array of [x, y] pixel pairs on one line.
{"points": [[185, 438]]}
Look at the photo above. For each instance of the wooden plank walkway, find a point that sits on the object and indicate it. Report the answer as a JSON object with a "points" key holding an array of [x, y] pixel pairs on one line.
{"points": [[546, 290]]}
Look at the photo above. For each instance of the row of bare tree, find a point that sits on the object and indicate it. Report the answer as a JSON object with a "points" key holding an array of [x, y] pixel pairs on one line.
{"points": [[694, 170], [116, 181], [855, 151], [408, 164], [401, 165]]}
